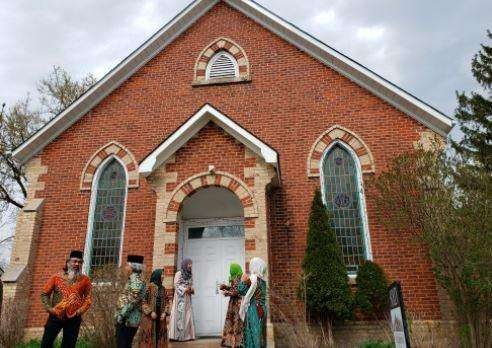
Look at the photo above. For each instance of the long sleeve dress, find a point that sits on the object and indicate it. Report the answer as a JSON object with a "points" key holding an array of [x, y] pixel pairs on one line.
{"points": [[154, 332], [232, 335], [254, 333], [181, 326]]}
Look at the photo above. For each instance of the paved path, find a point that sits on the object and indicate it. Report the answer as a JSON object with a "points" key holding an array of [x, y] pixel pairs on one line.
{"points": [[201, 343]]}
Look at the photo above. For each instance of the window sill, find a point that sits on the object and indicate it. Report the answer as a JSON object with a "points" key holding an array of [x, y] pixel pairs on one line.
{"points": [[223, 81]]}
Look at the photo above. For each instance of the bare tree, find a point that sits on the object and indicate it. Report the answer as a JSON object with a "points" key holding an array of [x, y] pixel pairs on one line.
{"points": [[58, 90], [18, 122]]}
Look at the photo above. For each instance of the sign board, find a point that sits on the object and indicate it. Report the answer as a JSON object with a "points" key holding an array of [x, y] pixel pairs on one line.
{"points": [[398, 318]]}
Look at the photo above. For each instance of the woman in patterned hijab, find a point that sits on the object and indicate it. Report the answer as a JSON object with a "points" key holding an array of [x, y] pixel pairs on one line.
{"points": [[186, 269], [181, 327]]}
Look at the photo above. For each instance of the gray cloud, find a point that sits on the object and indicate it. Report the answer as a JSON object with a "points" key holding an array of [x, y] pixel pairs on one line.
{"points": [[425, 47]]}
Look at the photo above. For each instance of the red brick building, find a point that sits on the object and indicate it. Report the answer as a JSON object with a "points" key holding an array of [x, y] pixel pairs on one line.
{"points": [[208, 141]]}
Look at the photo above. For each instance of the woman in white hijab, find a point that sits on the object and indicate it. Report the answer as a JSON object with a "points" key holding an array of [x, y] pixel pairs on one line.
{"points": [[253, 311]]}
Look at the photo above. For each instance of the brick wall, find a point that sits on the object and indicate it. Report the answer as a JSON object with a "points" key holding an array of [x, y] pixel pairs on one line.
{"points": [[291, 100], [210, 146]]}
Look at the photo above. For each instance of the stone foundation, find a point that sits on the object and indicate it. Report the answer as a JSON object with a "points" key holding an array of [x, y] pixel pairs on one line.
{"points": [[423, 333]]}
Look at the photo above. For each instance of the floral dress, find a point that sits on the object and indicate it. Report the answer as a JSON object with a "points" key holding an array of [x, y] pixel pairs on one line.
{"points": [[254, 333], [154, 332], [232, 335]]}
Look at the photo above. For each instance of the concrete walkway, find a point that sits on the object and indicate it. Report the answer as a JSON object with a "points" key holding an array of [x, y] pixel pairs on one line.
{"points": [[200, 343]]}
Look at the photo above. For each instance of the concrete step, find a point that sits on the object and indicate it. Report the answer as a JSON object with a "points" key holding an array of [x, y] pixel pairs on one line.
{"points": [[199, 343]]}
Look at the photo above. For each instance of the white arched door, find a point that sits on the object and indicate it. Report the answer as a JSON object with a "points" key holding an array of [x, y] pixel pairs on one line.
{"points": [[212, 244]]}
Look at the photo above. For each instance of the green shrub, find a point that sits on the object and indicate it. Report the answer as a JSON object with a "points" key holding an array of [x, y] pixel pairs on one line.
{"points": [[377, 344], [325, 287], [37, 344], [372, 290]]}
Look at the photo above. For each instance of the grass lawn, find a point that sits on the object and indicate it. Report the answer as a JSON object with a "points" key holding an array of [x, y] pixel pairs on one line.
{"points": [[37, 344]]}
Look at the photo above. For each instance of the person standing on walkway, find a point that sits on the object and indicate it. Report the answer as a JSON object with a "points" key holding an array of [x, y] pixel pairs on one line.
{"points": [[181, 327], [129, 309], [253, 311], [232, 335], [156, 312], [66, 297]]}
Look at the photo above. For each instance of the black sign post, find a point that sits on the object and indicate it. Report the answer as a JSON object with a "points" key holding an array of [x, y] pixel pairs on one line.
{"points": [[398, 317]]}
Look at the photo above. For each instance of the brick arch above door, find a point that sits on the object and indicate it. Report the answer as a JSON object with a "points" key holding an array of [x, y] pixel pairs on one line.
{"points": [[207, 179]]}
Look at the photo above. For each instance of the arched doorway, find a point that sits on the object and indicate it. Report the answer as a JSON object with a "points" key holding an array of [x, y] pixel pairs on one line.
{"points": [[212, 235]]}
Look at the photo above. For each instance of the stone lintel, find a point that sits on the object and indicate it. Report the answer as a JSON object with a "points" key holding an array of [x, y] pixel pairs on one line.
{"points": [[33, 205], [13, 273]]}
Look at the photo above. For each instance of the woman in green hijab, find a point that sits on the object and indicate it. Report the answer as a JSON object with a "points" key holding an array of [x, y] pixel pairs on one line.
{"points": [[232, 335]]}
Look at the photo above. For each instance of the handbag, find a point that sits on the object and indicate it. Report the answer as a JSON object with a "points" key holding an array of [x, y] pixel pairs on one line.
{"points": [[259, 309]]}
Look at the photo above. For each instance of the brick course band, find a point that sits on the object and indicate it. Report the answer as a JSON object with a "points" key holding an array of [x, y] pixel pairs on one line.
{"points": [[203, 180], [111, 149], [221, 44], [347, 137]]}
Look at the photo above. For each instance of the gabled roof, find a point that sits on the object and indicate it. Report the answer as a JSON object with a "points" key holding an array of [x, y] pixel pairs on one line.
{"points": [[364, 77], [184, 133]]}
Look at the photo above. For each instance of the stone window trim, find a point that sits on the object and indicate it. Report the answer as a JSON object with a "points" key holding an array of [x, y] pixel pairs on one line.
{"points": [[207, 179], [216, 46], [92, 207], [350, 140], [120, 152]]}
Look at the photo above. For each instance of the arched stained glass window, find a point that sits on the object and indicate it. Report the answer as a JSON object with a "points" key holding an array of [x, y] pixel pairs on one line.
{"points": [[342, 197], [108, 214]]}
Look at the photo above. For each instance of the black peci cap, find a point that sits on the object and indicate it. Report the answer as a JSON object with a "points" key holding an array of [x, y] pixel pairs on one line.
{"points": [[77, 254], [135, 258]]}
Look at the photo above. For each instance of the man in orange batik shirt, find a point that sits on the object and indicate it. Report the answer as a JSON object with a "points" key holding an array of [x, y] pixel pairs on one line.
{"points": [[66, 296]]}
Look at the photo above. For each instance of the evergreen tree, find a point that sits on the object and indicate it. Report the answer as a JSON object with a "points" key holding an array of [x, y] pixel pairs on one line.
{"points": [[372, 289], [325, 290], [474, 114]]}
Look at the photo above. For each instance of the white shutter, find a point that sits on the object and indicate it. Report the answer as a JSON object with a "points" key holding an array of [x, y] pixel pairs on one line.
{"points": [[222, 65]]}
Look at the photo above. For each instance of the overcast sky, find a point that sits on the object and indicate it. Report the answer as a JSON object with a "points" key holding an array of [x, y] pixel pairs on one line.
{"points": [[423, 46]]}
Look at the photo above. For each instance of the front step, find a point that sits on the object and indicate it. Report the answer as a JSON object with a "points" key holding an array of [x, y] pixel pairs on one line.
{"points": [[199, 343]]}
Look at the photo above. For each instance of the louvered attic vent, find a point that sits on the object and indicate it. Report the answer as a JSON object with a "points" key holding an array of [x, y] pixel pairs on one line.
{"points": [[222, 65]]}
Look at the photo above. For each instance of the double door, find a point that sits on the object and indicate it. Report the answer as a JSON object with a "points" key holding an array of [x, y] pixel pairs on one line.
{"points": [[212, 246]]}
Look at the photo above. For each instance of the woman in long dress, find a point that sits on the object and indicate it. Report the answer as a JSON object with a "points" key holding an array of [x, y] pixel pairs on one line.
{"points": [[253, 310], [181, 327], [232, 335], [156, 309]]}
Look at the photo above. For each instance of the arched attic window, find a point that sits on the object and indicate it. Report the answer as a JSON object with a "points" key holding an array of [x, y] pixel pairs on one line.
{"points": [[103, 246], [222, 65], [343, 196]]}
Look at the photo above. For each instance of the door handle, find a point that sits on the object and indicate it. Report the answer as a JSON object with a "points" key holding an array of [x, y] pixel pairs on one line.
{"points": [[216, 287]]}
